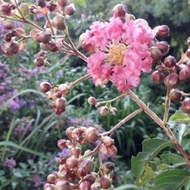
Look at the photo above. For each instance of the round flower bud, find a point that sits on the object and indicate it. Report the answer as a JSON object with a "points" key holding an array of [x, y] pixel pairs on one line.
{"points": [[92, 101], [62, 3], [39, 61], [108, 167], [59, 22], [63, 185], [175, 94], [172, 80], [184, 75], [44, 37], [186, 105], [69, 132], [49, 186], [45, 87], [42, 3], [87, 164], [90, 178], [111, 150], [157, 76], [60, 103], [8, 25], [76, 152], [170, 61], [70, 9], [156, 53], [119, 10], [164, 30], [104, 111], [107, 140], [51, 5], [81, 172], [62, 143], [91, 134], [163, 46], [72, 162], [51, 178], [64, 89], [12, 48], [5, 9], [105, 182], [85, 185]]}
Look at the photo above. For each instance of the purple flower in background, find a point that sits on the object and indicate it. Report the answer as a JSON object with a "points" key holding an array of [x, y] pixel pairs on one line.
{"points": [[65, 152], [37, 180], [10, 162]]}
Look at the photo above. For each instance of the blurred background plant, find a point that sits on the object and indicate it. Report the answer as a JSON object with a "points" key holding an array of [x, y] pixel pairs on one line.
{"points": [[29, 129]]}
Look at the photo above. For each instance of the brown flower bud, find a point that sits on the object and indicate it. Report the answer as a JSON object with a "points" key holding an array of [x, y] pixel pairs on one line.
{"points": [[60, 103], [85, 185], [49, 186], [111, 150], [91, 134], [81, 172], [72, 162], [92, 100], [39, 61], [157, 76], [105, 182], [175, 94], [156, 53], [76, 152], [8, 25], [187, 53], [51, 5], [170, 61], [163, 46], [70, 9], [69, 131], [44, 37], [90, 178], [64, 89], [104, 111], [87, 164], [184, 75], [52, 178], [172, 80], [62, 143], [62, 185], [45, 87], [107, 141], [164, 30], [119, 10], [186, 105], [5, 9], [59, 22], [108, 167], [42, 3], [12, 48], [62, 3]]}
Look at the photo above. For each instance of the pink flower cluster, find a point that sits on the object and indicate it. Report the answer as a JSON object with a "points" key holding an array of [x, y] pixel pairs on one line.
{"points": [[120, 51]]}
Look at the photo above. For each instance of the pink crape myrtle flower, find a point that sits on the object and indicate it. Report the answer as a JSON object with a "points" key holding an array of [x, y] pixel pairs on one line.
{"points": [[120, 51]]}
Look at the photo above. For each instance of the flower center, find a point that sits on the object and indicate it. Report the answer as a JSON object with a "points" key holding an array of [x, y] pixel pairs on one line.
{"points": [[116, 54]]}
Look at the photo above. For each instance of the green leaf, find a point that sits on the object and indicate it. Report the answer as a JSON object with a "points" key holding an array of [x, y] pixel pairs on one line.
{"points": [[172, 159], [81, 2], [9, 143], [24, 10], [149, 174], [173, 179], [126, 186], [180, 117], [151, 148]]}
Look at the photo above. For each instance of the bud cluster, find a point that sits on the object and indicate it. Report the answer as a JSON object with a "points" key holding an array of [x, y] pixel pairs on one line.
{"points": [[174, 73], [103, 110], [57, 95], [77, 170]]}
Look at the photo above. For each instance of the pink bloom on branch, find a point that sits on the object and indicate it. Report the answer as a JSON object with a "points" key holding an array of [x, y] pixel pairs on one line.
{"points": [[120, 52]]}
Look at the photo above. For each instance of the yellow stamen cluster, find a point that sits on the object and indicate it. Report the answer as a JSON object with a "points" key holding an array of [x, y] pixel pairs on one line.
{"points": [[116, 54]]}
